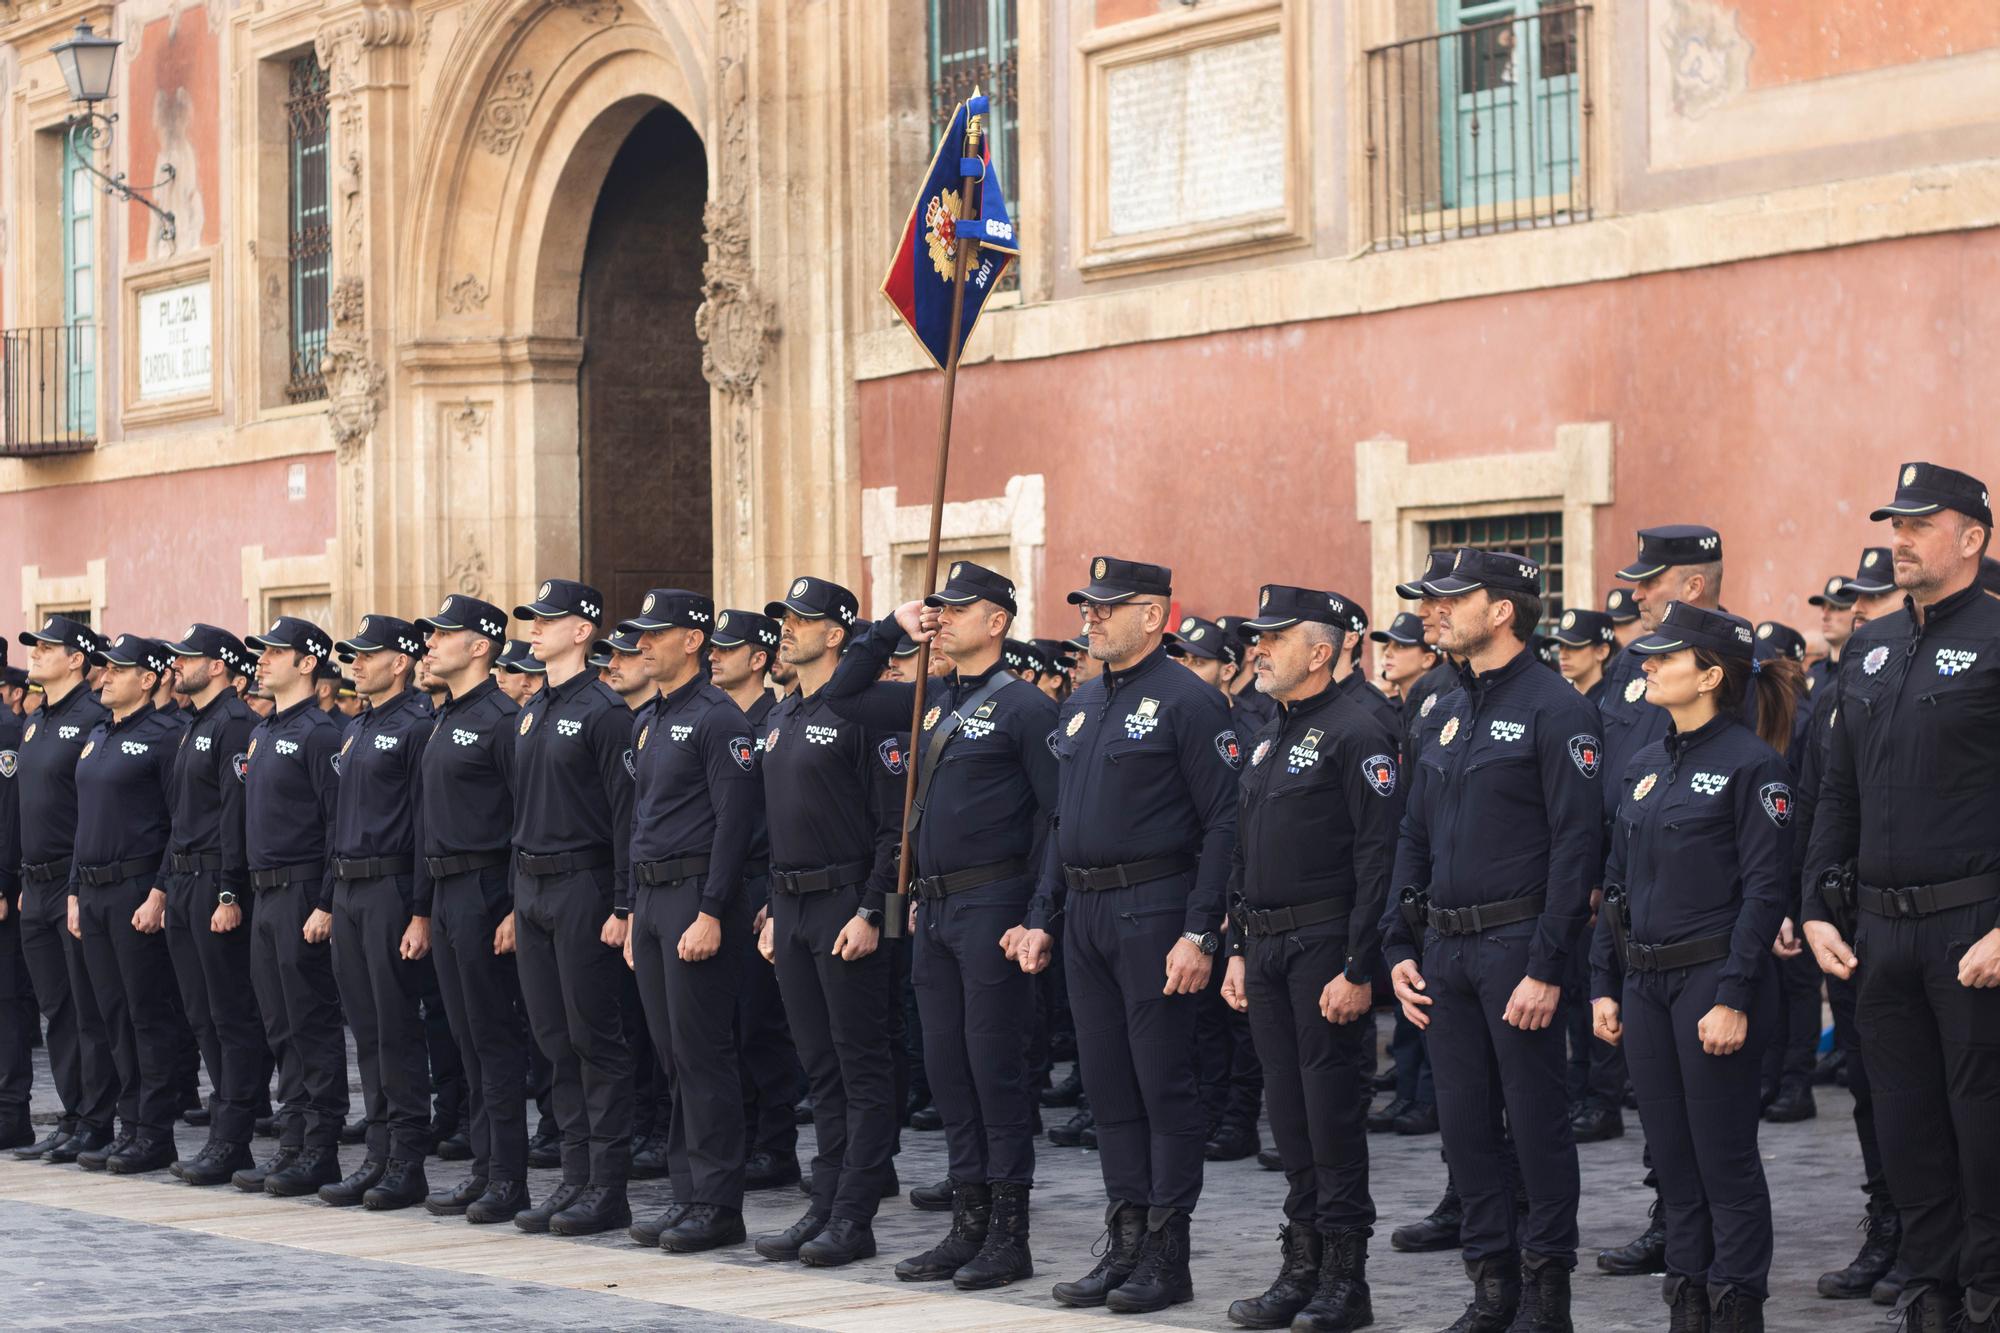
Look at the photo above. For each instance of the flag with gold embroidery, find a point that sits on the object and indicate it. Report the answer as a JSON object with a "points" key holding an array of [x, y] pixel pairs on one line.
{"points": [[919, 281]]}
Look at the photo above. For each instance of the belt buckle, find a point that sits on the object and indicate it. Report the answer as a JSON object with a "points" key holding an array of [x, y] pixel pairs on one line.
{"points": [[1644, 956], [1448, 920], [1904, 901]]}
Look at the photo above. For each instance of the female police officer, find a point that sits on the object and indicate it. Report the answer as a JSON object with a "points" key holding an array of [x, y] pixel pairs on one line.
{"points": [[1701, 847]]}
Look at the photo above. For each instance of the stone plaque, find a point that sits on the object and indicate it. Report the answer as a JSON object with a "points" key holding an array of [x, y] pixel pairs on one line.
{"points": [[175, 341], [1197, 137]]}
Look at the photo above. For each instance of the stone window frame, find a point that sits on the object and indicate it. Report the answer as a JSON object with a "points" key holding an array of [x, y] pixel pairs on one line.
{"points": [[1399, 500], [265, 577], [138, 281], [43, 596], [1016, 519]]}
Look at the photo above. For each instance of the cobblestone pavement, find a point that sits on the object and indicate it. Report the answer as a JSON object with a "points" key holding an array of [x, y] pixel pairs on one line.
{"points": [[154, 1260]]}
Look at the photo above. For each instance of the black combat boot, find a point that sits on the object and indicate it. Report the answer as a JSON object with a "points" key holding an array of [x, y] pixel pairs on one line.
{"points": [[218, 1163], [1647, 1252], [1161, 1277], [96, 1158], [1882, 1236], [1439, 1231], [784, 1245], [1734, 1310], [1687, 1305], [1925, 1309], [1066, 1092], [1080, 1130], [454, 1202], [1496, 1296], [841, 1242], [1340, 1301], [971, 1213], [144, 1153], [647, 1231], [1982, 1312], [1004, 1256], [1544, 1304], [1298, 1274], [598, 1208], [1124, 1229], [704, 1226], [403, 1185], [535, 1220], [933, 1198], [503, 1201], [347, 1193], [250, 1179], [310, 1171]]}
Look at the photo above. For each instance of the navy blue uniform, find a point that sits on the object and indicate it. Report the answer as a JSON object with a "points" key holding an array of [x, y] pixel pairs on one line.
{"points": [[18, 1027], [1701, 846], [1315, 842], [985, 815], [381, 885], [1909, 796], [833, 797], [79, 1046], [290, 781], [1422, 700], [772, 1079], [573, 807], [119, 859], [465, 820], [1356, 686], [696, 800], [1149, 761], [1502, 807], [207, 856]]}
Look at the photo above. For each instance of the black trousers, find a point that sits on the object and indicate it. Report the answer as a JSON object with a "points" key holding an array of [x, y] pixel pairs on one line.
{"points": [[691, 1014], [1314, 1075], [190, 901], [300, 1005], [17, 1018], [380, 990], [79, 1047], [1136, 1046], [1596, 1073], [449, 1093], [1412, 1061], [1794, 1046], [840, 1022], [1701, 1114], [132, 977], [221, 986], [1933, 1051], [572, 984], [977, 1008], [1484, 1065], [1847, 1036], [482, 999], [769, 1063]]}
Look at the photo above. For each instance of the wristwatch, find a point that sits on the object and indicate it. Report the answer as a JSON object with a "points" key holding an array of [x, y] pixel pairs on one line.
{"points": [[1357, 972], [870, 915], [1206, 941], [622, 913], [226, 898]]}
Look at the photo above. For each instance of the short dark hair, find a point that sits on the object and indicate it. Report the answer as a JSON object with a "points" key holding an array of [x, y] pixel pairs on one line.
{"points": [[1527, 612]]}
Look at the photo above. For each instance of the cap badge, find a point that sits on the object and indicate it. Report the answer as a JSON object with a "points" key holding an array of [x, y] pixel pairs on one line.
{"points": [[649, 603], [1075, 724], [1187, 625], [188, 635], [1097, 570], [1833, 586], [722, 622], [1644, 786], [1868, 560], [957, 569], [1764, 630], [543, 595], [1634, 688], [799, 588], [1264, 599], [1450, 732], [1569, 620], [1618, 598], [1196, 635], [445, 610], [1910, 474]]}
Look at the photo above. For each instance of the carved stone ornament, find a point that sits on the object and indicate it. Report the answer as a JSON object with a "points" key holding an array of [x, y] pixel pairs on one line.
{"points": [[468, 572], [1708, 58], [467, 294], [505, 114], [597, 13], [735, 327]]}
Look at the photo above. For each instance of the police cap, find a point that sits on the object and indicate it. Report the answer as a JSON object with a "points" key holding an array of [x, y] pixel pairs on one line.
{"points": [[672, 608], [462, 612], [564, 597], [1687, 626], [817, 599], [132, 650], [212, 641], [1675, 544], [967, 582], [71, 634], [1580, 629], [735, 627], [299, 635], [1436, 565], [1498, 571], [1834, 594], [384, 634], [1925, 488], [1114, 580], [1777, 639], [1876, 574]]}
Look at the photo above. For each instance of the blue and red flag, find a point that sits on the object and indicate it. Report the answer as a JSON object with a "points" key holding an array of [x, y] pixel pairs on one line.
{"points": [[919, 281]]}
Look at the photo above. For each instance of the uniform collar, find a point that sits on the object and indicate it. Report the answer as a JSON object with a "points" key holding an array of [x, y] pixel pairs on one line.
{"points": [[684, 691], [1113, 679], [471, 696], [1520, 662], [222, 696], [401, 699], [1310, 705], [288, 714], [966, 682], [1942, 609], [570, 688], [1678, 745], [133, 718], [68, 701]]}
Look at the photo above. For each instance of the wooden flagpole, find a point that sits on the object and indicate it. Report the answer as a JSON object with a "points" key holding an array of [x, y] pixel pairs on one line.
{"points": [[964, 250]]}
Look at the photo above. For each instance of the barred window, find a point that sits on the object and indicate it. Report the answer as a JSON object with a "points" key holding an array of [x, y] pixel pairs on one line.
{"points": [[1536, 537], [976, 44], [311, 233]]}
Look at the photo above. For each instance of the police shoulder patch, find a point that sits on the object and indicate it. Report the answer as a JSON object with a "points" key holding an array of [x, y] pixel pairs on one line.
{"points": [[9, 763], [1380, 770], [1229, 748], [240, 766], [891, 754], [1777, 800], [1585, 752], [741, 750], [631, 766]]}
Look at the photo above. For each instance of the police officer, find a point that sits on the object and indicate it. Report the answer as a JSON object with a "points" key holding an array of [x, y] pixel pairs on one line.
{"points": [[290, 781], [1316, 838], [572, 901], [1347, 672], [1500, 846], [1403, 658], [986, 787], [1146, 826], [116, 907], [833, 798], [18, 1025], [1917, 731], [1585, 642], [695, 803], [1624, 612], [54, 735], [518, 673], [1431, 688], [465, 816], [1836, 623], [1696, 882], [741, 652], [209, 898], [381, 915]]}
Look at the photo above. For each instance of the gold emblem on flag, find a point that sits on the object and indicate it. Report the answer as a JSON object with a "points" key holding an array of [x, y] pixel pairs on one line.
{"points": [[941, 231]]}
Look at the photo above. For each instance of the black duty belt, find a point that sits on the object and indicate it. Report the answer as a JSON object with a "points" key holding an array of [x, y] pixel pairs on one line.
{"points": [[932, 887], [1927, 899], [1486, 916], [1668, 957], [1094, 879], [562, 863], [117, 872], [798, 882], [371, 867], [188, 863], [279, 876], [655, 873], [464, 863], [1277, 920], [46, 871]]}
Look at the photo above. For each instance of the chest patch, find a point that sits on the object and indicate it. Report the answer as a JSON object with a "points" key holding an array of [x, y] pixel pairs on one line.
{"points": [[1257, 755], [1951, 661], [1450, 732], [569, 726], [285, 747], [1430, 701], [134, 748], [771, 741], [1507, 731], [980, 725], [386, 742], [1380, 770], [527, 720], [1634, 688], [931, 718], [68, 733], [1877, 658], [743, 752], [1304, 754], [460, 736], [1584, 752], [88, 746], [644, 732], [680, 731], [1707, 784], [203, 744], [1644, 785], [1139, 723], [1075, 724], [1777, 800], [816, 734], [890, 752]]}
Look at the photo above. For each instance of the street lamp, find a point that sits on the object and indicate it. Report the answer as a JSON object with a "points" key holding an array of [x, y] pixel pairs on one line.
{"points": [[87, 61]]}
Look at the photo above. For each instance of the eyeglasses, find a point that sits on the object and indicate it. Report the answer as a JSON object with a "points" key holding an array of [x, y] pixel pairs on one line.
{"points": [[1102, 610]]}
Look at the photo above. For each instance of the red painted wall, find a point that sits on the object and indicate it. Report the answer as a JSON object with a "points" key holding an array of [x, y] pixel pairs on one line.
{"points": [[1773, 399], [174, 94], [172, 545]]}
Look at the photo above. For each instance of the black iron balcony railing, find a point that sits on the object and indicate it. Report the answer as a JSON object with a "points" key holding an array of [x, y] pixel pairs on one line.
{"points": [[1483, 129], [48, 390]]}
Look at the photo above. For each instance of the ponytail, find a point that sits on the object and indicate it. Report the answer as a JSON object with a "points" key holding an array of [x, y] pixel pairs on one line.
{"points": [[1780, 683]]}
